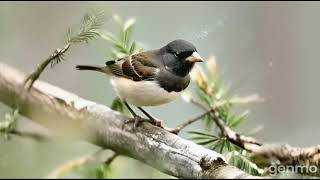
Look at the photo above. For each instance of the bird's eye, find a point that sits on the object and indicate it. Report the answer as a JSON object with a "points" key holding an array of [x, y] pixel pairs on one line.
{"points": [[185, 54]]}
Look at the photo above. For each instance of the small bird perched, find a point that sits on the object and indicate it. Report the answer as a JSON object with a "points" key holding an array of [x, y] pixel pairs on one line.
{"points": [[151, 78]]}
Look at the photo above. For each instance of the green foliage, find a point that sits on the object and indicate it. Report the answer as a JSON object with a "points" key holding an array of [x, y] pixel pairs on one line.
{"points": [[203, 138], [122, 44], [88, 30], [235, 120], [9, 123], [118, 105], [98, 171], [242, 162], [216, 143], [91, 22]]}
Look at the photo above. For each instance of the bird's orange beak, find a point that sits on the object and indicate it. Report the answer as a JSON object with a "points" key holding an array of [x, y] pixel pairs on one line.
{"points": [[195, 57]]}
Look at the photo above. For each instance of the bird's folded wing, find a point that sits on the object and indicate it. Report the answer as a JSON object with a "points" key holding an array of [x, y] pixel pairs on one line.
{"points": [[137, 67]]}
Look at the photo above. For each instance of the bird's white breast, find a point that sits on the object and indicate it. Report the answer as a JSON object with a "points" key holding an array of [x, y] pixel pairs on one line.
{"points": [[141, 93]]}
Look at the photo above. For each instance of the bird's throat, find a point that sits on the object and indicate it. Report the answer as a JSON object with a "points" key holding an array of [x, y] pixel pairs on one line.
{"points": [[181, 68]]}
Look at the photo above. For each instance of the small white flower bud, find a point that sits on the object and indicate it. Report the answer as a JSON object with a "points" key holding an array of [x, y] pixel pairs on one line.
{"points": [[212, 66], [199, 77]]}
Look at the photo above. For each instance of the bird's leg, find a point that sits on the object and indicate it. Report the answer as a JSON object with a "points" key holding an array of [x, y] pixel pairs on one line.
{"points": [[153, 120], [136, 119]]}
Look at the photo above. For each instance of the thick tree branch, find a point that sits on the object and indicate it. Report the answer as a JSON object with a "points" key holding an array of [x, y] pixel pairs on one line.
{"points": [[73, 116]]}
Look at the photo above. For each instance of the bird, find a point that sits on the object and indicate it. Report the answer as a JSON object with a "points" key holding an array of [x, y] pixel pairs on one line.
{"points": [[150, 78]]}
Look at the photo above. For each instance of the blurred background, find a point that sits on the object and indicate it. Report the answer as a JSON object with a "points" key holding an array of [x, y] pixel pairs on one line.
{"points": [[269, 48]]}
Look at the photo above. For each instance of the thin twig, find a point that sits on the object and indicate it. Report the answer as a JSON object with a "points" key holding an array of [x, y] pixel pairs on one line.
{"points": [[72, 165], [37, 72], [188, 122], [214, 113], [34, 135], [111, 158]]}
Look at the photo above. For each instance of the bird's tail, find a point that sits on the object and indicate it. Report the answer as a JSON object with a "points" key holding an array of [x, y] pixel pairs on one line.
{"points": [[92, 68]]}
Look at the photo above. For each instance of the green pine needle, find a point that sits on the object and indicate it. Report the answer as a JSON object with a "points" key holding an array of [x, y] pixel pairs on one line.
{"points": [[91, 22], [88, 31], [9, 123], [242, 162], [122, 44], [119, 106]]}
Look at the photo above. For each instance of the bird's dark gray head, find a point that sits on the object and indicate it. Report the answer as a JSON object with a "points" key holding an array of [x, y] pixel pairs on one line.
{"points": [[180, 46], [181, 56]]}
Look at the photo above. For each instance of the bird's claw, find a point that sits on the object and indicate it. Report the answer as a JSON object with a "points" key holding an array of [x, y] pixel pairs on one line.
{"points": [[135, 120], [156, 122], [174, 131]]}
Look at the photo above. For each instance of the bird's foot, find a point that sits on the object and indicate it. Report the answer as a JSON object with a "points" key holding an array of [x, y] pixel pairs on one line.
{"points": [[156, 122], [136, 120], [175, 131]]}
